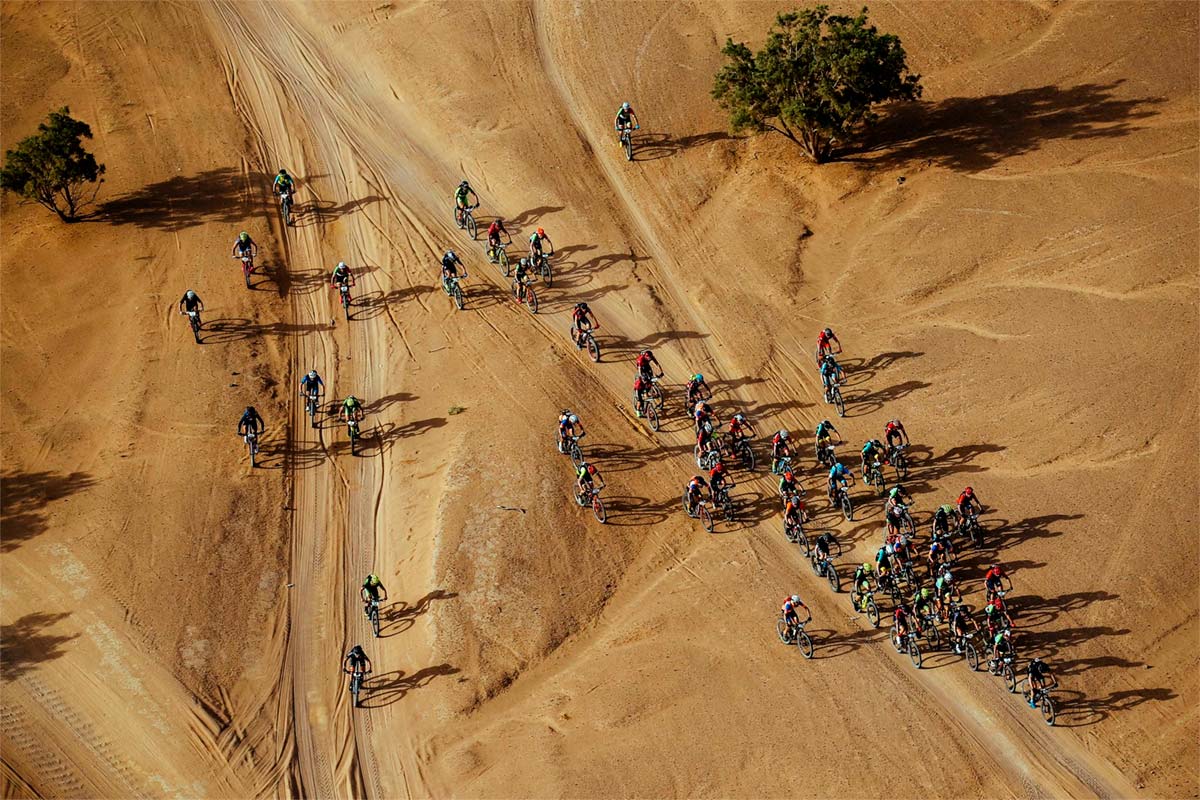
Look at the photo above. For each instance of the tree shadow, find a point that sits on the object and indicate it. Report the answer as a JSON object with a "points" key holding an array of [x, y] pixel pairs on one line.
{"points": [[385, 689], [400, 616], [24, 497], [971, 134], [223, 195], [23, 643], [233, 329], [653, 146]]}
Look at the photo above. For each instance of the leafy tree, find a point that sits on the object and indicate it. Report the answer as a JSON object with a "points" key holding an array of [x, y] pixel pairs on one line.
{"points": [[52, 167], [815, 80]]}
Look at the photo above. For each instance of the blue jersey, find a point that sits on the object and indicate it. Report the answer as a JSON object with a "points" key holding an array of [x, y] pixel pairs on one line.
{"points": [[311, 383], [837, 471]]}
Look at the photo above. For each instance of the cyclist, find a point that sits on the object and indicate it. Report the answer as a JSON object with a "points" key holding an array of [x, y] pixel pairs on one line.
{"points": [[993, 580], [523, 278], [1002, 644], [352, 409], [626, 119], [898, 495], [740, 429], [967, 501], [825, 340], [535, 246], [922, 603], [585, 481], [356, 661], [718, 478], [883, 559], [1039, 674], [695, 493], [250, 422], [779, 449], [190, 302], [646, 362], [640, 387], [794, 514], [941, 520], [283, 183], [894, 429], [243, 245], [788, 486], [583, 319], [569, 427], [705, 444], [450, 264], [901, 617], [494, 231], [341, 274], [831, 374], [997, 617], [825, 443], [872, 451], [697, 389], [961, 623], [370, 592], [704, 418], [945, 589], [839, 475], [461, 201], [823, 544], [311, 384], [790, 617], [863, 575]]}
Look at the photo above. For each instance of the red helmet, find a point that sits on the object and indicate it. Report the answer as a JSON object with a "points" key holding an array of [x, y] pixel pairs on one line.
{"points": [[541, 231]]}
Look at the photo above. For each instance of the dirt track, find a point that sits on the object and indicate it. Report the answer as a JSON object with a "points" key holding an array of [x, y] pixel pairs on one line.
{"points": [[172, 620]]}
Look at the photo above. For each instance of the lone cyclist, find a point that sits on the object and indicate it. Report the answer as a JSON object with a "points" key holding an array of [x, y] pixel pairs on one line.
{"points": [[536, 242], [462, 196], [283, 183], [585, 481], [626, 119], [356, 661], [1040, 678], [371, 590], [341, 274], [831, 374], [250, 423], [245, 246], [582, 319], [190, 302], [569, 427], [311, 384], [790, 617], [450, 265]]}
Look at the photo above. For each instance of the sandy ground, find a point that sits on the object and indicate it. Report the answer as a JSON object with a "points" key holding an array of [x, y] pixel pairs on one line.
{"points": [[1011, 265]]}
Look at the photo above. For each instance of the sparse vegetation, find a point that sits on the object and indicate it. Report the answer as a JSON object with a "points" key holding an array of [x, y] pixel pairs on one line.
{"points": [[815, 80], [51, 167]]}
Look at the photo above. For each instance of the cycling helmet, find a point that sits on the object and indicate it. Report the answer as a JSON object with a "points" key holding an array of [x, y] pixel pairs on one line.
{"points": [[827, 423], [499, 220], [795, 597], [783, 434], [357, 651], [524, 262], [868, 566], [995, 566], [190, 295], [250, 410], [698, 378], [625, 107], [591, 469], [450, 254], [245, 237], [583, 307], [1037, 661], [789, 476], [342, 265], [574, 419], [829, 331], [541, 231], [312, 373], [646, 353], [464, 182], [968, 490], [740, 417], [351, 397], [926, 593], [282, 171]]}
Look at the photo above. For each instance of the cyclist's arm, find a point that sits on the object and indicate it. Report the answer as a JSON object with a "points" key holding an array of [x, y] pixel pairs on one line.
{"points": [[634, 118]]}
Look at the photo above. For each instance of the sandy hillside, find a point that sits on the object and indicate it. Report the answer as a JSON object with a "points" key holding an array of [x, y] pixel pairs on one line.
{"points": [[1011, 265]]}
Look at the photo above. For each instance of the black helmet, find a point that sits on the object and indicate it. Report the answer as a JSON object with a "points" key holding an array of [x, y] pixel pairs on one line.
{"points": [[282, 171], [357, 650], [829, 331]]}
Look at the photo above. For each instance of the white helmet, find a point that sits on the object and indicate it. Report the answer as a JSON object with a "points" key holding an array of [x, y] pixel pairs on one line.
{"points": [[625, 106], [783, 434], [740, 417], [191, 295], [341, 265], [450, 254], [795, 598], [312, 373], [574, 419]]}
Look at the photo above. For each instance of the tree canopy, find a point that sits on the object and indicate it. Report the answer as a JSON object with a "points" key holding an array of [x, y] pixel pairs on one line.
{"points": [[815, 80], [51, 167]]}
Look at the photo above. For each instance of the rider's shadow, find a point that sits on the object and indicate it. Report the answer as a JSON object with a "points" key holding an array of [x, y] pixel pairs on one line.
{"points": [[385, 689]]}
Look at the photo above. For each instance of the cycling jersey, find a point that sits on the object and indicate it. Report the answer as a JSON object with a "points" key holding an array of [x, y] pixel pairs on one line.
{"points": [[494, 229], [190, 303], [837, 471]]}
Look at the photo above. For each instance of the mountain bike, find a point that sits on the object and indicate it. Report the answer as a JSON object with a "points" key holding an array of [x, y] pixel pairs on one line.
{"points": [[646, 408], [791, 634], [834, 395], [251, 440], [706, 459], [908, 645], [626, 134], [357, 677], [700, 512], [724, 503], [344, 291], [572, 449], [1002, 667], [781, 465], [373, 615], [1040, 698], [450, 285], [863, 601], [794, 533], [285, 206], [194, 321], [586, 340], [311, 406], [825, 457], [822, 567], [584, 501], [874, 477], [247, 268], [898, 460], [523, 293], [656, 392], [971, 528], [499, 256], [740, 448], [926, 625], [887, 584], [464, 218], [906, 521], [841, 501], [541, 267], [966, 645], [353, 432]]}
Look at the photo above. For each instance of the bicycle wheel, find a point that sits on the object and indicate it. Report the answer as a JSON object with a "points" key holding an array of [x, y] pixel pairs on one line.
{"points": [[839, 402], [355, 685], [706, 519], [872, 612], [932, 635], [502, 260], [1010, 677], [748, 459], [246, 273], [457, 294], [375, 619], [847, 508], [901, 465], [593, 349], [907, 522], [598, 509], [286, 207], [976, 535], [652, 415], [656, 394], [547, 273], [472, 228], [914, 652], [1048, 710], [346, 305], [802, 540], [805, 644], [972, 657], [312, 412], [831, 575], [531, 299], [781, 630], [815, 564], [253, 453], [576, 454]]}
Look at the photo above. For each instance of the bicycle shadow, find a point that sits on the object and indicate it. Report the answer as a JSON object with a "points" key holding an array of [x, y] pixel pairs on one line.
{"points": [[399, 616], [383, 690]]}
